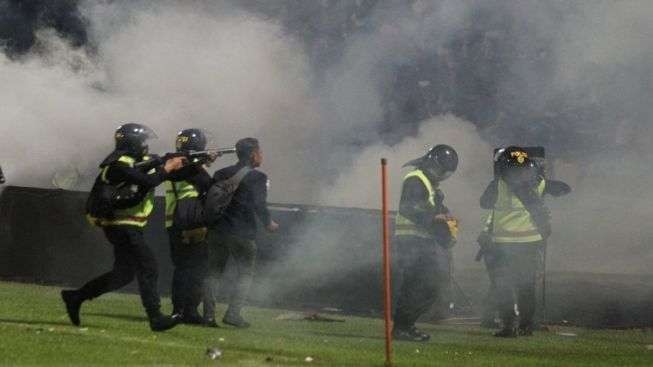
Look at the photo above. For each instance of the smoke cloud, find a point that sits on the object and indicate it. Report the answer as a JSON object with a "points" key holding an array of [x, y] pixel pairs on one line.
{"points": [[170, 67], [329, 87]]}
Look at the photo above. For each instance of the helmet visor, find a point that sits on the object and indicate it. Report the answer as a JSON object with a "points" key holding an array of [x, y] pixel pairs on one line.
{"points": [[147, 132], [135, 130]]}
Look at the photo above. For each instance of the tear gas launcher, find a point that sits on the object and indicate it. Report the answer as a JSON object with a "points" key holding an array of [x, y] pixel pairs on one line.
{"points": [[193, 157]]}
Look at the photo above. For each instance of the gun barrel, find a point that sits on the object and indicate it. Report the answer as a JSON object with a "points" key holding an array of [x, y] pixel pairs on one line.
{"points": [[225, 151]]}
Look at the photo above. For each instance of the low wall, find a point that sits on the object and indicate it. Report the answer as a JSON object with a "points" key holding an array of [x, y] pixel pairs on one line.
{"points": [[322, 257]]}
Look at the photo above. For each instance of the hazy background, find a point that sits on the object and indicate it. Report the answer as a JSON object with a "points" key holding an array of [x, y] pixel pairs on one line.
{"points": [[332, 86]]}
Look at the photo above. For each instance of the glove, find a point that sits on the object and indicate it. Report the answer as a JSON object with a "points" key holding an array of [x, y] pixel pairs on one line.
{"points": [[453, 227]]}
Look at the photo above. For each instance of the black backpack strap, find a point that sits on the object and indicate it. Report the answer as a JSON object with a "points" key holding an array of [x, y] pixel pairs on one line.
{"points": [[238, 177]]}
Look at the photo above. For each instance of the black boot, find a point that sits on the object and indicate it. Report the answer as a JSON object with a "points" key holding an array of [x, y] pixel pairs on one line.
{"points": [[160, 322], [73, 301], [192, 317], [526, 330], [410, 334], [506, 332], [233, 318], [210, 323]]}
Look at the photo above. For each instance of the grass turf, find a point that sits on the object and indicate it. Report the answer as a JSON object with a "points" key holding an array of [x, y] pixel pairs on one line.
{"points": [[34, 329]]}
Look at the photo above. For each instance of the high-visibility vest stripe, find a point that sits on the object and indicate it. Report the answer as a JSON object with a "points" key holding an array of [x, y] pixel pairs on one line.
{"points": [[184, 190], [511, 221], [137, 215], [403, 225]]}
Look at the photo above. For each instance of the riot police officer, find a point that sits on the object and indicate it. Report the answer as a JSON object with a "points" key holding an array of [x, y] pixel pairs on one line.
{"points": [[424, 233], [516, 231], [187, 231], [120, 203]]}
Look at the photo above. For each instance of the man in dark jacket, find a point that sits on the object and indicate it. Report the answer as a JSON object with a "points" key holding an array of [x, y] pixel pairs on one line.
{"points": [[236, 231]]}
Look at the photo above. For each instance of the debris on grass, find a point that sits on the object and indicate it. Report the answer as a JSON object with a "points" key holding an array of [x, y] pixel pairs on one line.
{"points": [[308, 359], [214, 353], [269, 359], [569, 335], [331, 309], [649, 347], [311, 316], [220, 339]]}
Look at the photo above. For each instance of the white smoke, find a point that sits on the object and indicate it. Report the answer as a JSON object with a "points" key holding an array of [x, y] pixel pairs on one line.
{"points": [[174, 64], [170, 67]]}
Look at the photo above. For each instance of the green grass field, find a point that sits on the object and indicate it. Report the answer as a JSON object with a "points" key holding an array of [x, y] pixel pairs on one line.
{"points": [[35, 330]]}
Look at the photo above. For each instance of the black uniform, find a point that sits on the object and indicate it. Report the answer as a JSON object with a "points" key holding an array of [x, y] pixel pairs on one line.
{"points": [[422, 263], [235, 234], [132, 257], [189, 253], [513, 269]]}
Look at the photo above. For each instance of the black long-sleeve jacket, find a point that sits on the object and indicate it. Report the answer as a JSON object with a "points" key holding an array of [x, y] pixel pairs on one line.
{"points": [[248, 203], [552, 187], [118, 172], [414, 205], [196, 175]]}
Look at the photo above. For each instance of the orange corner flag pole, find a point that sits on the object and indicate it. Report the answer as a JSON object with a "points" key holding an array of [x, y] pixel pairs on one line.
{"points": [[387, 299]]}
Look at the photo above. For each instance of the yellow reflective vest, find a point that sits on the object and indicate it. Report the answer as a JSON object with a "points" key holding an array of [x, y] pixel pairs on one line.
{"points": [[176, 191], [137, 215], [510, 221], [403, 225]]}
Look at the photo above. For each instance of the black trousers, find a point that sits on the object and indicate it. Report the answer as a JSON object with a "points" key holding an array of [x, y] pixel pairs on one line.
{"points": [[132, 259], [420, 274], [515, 268], [190, 262], [243, 252]]}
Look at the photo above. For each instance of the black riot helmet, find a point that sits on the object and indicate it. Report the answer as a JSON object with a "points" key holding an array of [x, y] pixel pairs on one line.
{"points": [[191, 140], [132, 138], [440, 162], [515, 166]]}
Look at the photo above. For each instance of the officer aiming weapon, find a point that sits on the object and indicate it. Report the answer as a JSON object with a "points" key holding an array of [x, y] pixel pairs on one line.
{"points": [[2, 176], [193, 157]]}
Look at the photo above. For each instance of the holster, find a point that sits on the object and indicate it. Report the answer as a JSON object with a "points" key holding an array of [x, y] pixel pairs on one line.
{"points": [[486, 245]]}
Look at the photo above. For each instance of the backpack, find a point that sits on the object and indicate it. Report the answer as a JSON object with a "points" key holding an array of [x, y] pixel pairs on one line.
{"points": [[220, 196], [105, 197], [189, 212]]}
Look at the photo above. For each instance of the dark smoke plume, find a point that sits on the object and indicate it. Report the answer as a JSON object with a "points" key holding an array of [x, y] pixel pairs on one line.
{"points": [[21, 19]]}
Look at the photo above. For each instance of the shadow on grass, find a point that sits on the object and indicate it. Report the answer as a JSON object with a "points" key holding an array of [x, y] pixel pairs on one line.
{"points": [[346, 335], [116, 316], [34, 322]]}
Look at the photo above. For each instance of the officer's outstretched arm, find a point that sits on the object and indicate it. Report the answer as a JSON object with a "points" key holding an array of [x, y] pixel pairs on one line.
{"points": [[134, 176]]}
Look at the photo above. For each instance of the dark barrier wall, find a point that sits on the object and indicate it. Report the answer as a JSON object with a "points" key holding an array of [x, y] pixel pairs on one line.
{"points": [[322, 257]]}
